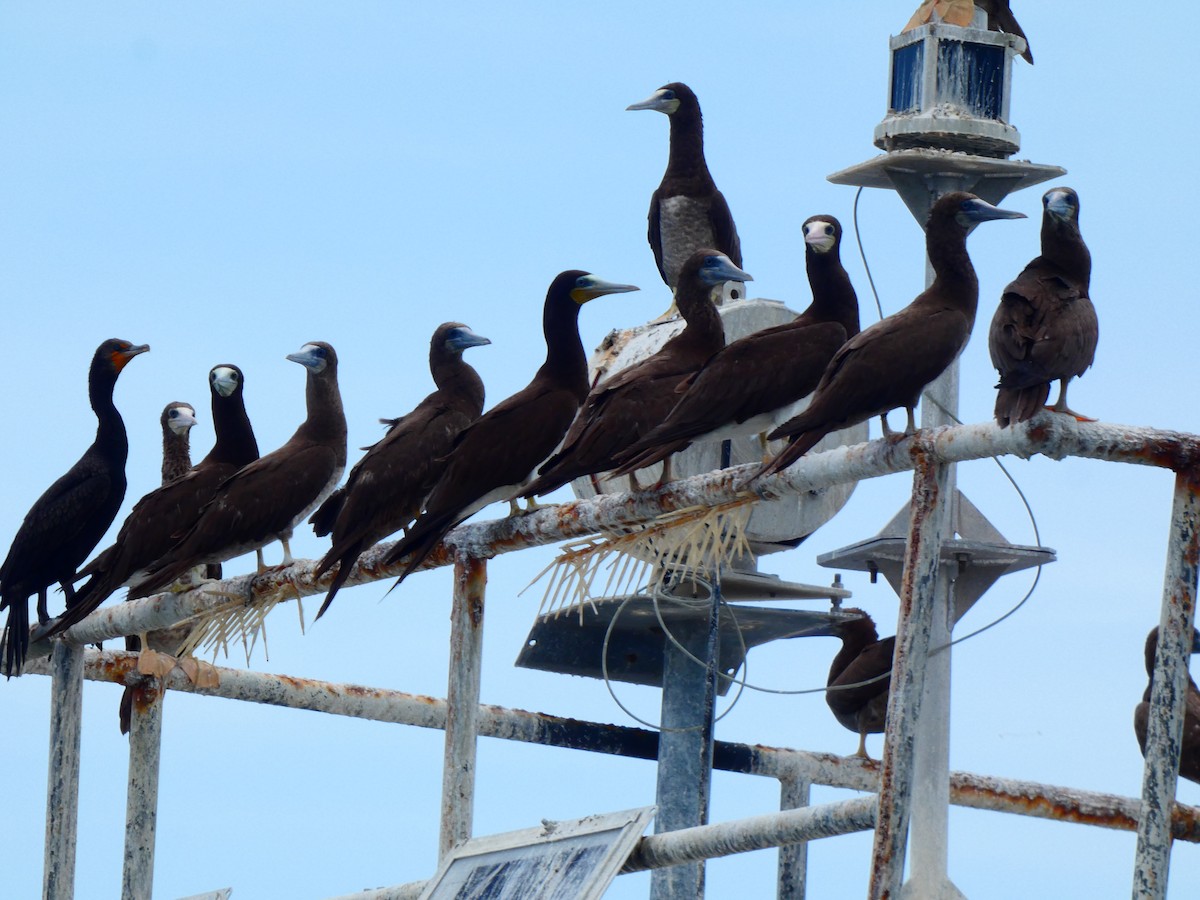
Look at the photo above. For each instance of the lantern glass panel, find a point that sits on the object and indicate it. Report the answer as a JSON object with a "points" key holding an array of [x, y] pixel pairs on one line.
{"points": [[906, 77], [971, 77]]}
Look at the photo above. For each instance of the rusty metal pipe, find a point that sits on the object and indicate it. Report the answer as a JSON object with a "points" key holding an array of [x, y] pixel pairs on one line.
{"points": [[1168, 697], [462, 704], [62, 790], [1055, 436]]}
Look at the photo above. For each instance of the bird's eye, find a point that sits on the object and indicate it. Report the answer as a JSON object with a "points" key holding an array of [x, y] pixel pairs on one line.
{"points": [[668, 95], [174, 414], [829, 229]]}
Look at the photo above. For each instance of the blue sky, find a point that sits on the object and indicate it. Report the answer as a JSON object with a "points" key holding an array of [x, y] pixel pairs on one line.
{"points": [[229, 181]]}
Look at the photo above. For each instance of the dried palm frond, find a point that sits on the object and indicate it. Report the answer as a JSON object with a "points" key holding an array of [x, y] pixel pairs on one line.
{"points": [[239, 621], [699, 539]]}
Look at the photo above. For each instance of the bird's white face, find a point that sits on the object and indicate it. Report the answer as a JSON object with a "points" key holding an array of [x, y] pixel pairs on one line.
{"points": [[820, 235], [225, 380], [180, 419], [663, 100]]}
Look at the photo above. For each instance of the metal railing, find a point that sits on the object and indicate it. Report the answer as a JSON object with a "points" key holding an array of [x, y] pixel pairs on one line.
{"points": [[1157, 819]]}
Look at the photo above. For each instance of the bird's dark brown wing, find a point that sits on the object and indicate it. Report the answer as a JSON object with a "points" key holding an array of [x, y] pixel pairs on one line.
{"points": [[1045, 329], [725, 236]]}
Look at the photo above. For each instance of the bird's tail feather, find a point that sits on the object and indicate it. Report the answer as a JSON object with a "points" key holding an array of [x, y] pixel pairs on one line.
{"points": [[347, 559], [801, 444], [16, 637], [1015, 405]]}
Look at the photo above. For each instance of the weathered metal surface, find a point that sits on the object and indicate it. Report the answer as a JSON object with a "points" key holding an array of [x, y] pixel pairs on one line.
{"points": [[1168, 697], [141, 805], [794, 793], [917, 598], [753, 833], [975, 791], [462, 704], [62, 790], [685, 748]]}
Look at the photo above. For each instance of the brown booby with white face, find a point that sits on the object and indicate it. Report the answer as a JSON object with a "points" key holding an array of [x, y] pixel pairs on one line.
{"points": [[741, 388], [626, 405], [494, 457], [68, 520], [860, 679], [177, 421], [1045, 328], [158, 520], [687, 212], [265, 500], [1189, 757], [386, 488], [887, 365]]}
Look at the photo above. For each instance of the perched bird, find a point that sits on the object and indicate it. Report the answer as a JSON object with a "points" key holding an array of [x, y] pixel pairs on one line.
{"points": [[687, 212], [1189, 757], [887, 365], [961, 12], [626, 405], [859, 695], [741, 388], [494, 457], [177, 421], [265, 500], [386, 488], [68, 520], [1045, 328], [161, 517]]}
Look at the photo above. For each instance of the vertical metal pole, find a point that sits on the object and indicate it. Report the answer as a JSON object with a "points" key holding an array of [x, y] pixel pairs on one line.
{"points": [[929, 858], [685, 748], [794, 792], [917, 599], [141, 804], [462, 702], [62, 792], [1169, 695]]}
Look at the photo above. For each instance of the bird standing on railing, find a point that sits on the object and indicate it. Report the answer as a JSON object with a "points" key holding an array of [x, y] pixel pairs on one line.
{"points": [[386, 487], [494, 457], [741, 388], [265, 500], [887, 365], [1189, 757], [627, 404], [68, 520], [961, 12], [161, 517], [687, 212], [861, 677], [1045, 328]]}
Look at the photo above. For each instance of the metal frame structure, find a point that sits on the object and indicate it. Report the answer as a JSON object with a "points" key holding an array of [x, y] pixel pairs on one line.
{"points": [[1157, 819]]}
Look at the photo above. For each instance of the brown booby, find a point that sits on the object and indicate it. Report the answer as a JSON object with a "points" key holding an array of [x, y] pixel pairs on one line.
{"points": [[68, 520], [741, 388], [859, 695], [887, 365], [177, 421], [626, 405], [1189, 757], [961, 13], [161, 517], [386, 488], [687, 212], [265, 500], [1045, 328], [494, 457]]}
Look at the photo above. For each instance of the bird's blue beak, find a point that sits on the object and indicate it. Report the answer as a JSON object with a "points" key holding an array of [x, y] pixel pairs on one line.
{"points": [[310, 356], [464, 338], [658, 101], [721, 270], [976, 210]]}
